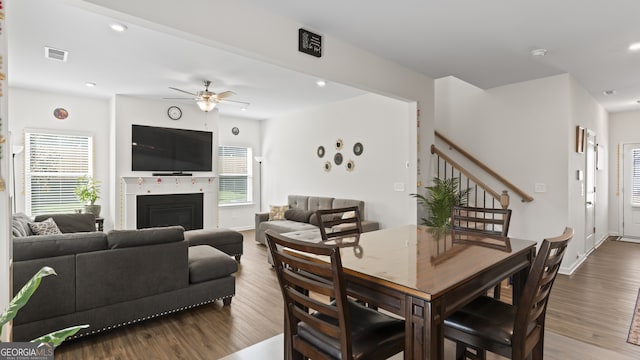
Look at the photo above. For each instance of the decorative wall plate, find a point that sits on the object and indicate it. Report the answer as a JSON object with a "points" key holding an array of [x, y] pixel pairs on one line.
{"points": [[339, 144], [235, 130], [337, 158], [60, 113], [320, 151], [350, 165], [327, 166], [358, 149]]}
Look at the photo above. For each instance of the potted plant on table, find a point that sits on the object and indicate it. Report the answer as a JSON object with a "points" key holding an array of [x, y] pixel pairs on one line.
{"points": [[88, 191], [442, 196]]}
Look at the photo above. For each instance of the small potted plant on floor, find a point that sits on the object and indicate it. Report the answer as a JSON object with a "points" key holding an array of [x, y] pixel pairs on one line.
{"points": [[88, 191]]}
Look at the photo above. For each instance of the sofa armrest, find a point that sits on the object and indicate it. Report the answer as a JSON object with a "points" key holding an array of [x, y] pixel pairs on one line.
{"points": [[261, 217], [370, 226]]}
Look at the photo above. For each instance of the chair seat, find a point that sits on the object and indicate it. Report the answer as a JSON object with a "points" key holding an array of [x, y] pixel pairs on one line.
{"points": [[485, 317], [371, 332]]}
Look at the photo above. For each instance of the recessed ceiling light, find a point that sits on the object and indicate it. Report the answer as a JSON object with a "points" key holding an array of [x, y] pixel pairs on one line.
{"points": [[609, 92], [119, 27], [243, 109], [90, 84], [634, 46], [539, 52], [321, 83]]}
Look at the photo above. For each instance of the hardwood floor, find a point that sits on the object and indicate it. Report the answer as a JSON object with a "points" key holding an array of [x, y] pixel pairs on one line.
{"points": [[588, 316]]}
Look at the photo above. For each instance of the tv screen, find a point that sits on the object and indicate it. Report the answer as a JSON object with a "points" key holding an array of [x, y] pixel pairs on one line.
{"points": [[166, 149]]}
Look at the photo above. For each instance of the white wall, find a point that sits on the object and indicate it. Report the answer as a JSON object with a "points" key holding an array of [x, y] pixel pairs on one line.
{"points": [[86, 115], [381, 124], [526, 132], [143, 111], [241, 217], [624, 128]]}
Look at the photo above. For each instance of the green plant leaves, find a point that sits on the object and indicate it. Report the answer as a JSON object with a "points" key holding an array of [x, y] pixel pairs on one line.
{"points": [[57, 337], [24, 295], [441, 197]]}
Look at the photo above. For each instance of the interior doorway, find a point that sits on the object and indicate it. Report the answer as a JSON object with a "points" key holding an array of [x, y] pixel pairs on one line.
{"points": [[631, 191], [590, 192]]}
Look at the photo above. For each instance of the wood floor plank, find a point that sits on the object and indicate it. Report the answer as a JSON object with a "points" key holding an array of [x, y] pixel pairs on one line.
{"points": [[588, 316]]}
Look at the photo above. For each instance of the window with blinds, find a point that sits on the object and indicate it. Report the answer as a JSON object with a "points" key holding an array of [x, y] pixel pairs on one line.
{"points": [[234, 175], [53, 164], [635, 178]]}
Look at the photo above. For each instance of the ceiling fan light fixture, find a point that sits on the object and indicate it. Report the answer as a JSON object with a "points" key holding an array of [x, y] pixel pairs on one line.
{"points": [[206, 105]]}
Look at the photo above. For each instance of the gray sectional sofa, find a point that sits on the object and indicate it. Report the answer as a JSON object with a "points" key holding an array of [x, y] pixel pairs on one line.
{"points": [[114, 279], [300, 220]]}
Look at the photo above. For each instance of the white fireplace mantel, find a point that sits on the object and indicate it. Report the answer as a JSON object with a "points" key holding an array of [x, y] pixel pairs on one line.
{"points": [[132, 187]]}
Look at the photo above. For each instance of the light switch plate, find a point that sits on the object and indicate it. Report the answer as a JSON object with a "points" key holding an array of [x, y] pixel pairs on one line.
{"points": [[540, 188], [398, 186]]}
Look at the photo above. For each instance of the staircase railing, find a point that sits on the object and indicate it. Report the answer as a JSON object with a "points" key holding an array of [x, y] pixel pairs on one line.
{"points": [[481, 194]]}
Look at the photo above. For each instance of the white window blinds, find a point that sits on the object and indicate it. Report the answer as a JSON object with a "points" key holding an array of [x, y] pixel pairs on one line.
{"points": [[53, 164], [234, 171], [635, 178]]}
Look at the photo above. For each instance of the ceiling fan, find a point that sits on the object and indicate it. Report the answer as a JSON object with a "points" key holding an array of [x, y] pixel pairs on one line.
{"points": [[206, 99]]}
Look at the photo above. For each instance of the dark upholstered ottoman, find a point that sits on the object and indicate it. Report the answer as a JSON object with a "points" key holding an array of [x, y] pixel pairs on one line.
{"points": [[225, 240], [208, 263]]}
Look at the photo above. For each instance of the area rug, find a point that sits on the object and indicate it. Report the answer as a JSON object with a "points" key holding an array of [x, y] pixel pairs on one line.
{"points": [[634, 329], [629, 239]]}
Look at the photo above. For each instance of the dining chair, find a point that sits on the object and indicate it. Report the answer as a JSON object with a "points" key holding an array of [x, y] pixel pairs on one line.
{"points": [[487, 324], [339, 222], [471, 223], [320, 322]]}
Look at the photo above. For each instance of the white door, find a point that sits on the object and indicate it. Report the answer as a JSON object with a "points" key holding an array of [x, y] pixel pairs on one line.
{"points": [[631, 191], [590, 192]]}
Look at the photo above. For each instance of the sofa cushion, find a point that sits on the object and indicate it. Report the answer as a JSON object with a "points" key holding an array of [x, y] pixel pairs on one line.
{"points": [[72, 223], [320, 203], [208, 263], [276, 212], [283, 226], [342, 203], [36, 247], [20, 225], [144, 237], [46, 227], [298, 215], [298, 202], [327, 217]]}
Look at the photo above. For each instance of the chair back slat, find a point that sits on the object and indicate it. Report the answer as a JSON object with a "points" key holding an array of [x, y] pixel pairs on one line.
{"points": [[339, 222], [481, 221], [312, 281], [535, 294]]}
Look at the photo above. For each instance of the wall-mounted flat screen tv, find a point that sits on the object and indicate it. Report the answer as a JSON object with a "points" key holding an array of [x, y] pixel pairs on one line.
{"points": [[167, 149]]}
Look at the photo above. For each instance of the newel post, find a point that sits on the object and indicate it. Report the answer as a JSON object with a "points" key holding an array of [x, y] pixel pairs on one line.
{"points": [[504, 199]]}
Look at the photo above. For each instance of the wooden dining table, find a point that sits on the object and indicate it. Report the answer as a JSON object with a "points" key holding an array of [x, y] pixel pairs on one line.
{"points": [[424, 278]]}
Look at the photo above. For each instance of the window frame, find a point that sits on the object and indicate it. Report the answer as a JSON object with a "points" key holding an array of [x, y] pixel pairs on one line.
{"points": [[248, 175], [29, 174]]}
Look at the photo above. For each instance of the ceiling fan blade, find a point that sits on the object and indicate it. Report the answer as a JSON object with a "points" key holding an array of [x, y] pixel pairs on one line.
{"points": [[234, 101], [186, 92], [224, 94]]}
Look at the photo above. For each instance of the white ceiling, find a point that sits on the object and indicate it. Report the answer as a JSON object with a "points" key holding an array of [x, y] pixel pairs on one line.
{"points": [[143, 62], [485, 43]]}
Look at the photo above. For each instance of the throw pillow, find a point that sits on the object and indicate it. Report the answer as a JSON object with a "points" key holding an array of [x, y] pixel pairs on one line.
{"points": [[277, 212], [47, 227], [313, 220], [298, 215]]}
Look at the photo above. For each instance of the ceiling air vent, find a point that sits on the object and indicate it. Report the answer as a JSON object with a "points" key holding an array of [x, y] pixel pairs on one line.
{"points": [[55, 54]]}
